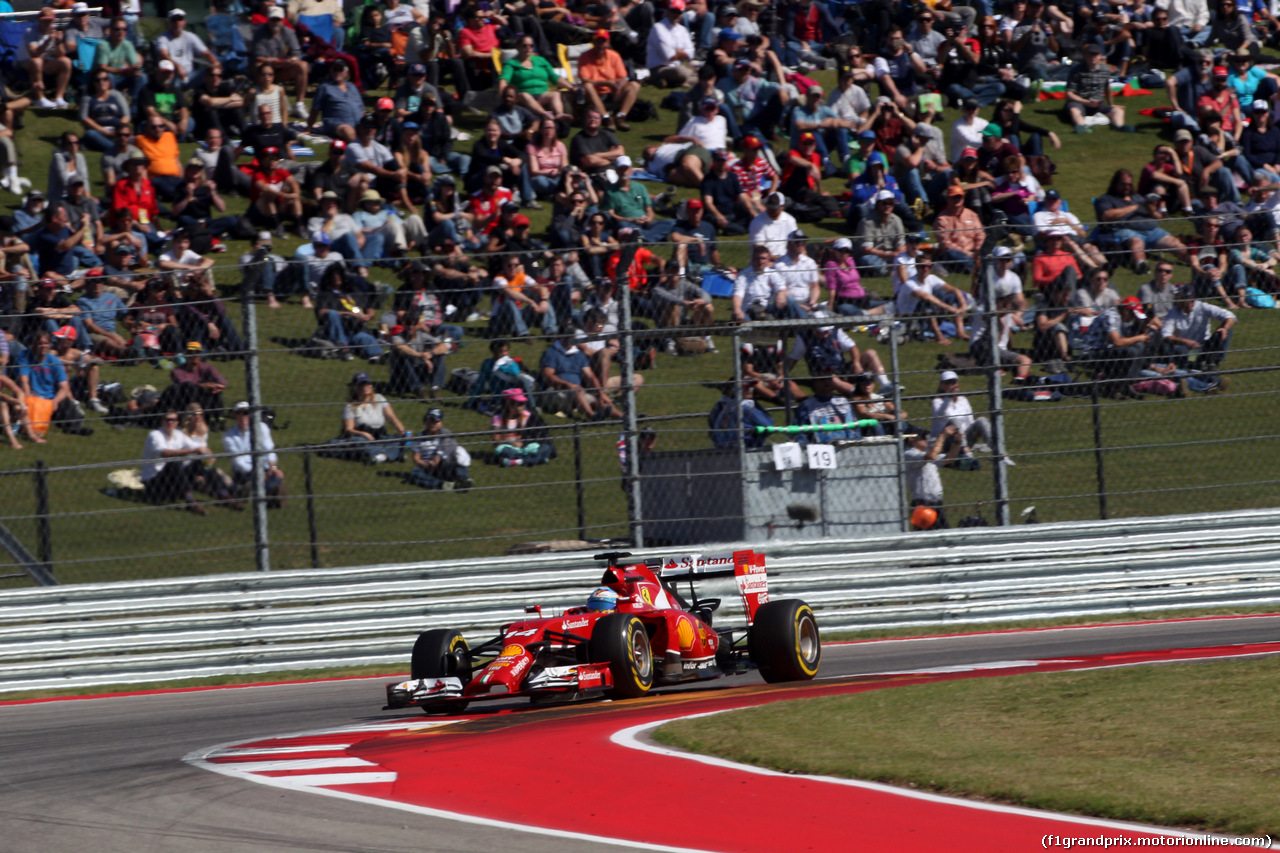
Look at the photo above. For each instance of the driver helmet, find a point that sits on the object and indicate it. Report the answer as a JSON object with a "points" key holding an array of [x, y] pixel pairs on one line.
{"points": [[602, 600]]}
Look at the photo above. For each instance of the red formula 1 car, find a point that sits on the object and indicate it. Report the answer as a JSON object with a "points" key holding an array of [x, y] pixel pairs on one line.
{"points": [[636, 632]]}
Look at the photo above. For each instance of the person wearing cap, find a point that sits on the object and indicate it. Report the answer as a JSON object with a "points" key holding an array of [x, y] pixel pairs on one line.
{"points": [[162, 98], [437, 138], [669, 50], [606, 83], [197, 201], [1260, 142], [345, 236], [797, 276], [236, 441], [276, 45], [49, 309], [182, 48], [1050, 218], [628, 202], [1121, 341], [1221, 101], [831, 133], [76, 202], [437, 456], [1054, 267], [918, 292], [755, 174], [1089, 93], [757, 103], [42, 54], [385, 232], [194, 381], [410, 95], [707, 131], [773, 226], [959, 232], [492, 152], [486, 204], [536, 81], [1186, 86], [1128, 219], [419, 343], [365, 420], [1213, 274], [1187, 336], [274, 194], [994, 150], [879, 237], [372, 165], [726, 206], [520, 436], [951, 409], [828, 351], [896, 69], [565, 371], [825, 407], [845, 294], [116, 56], [874, 181], [920, 163]]}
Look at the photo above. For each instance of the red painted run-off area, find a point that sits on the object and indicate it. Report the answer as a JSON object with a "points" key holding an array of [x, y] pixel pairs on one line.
{"points": [[558, 769]]}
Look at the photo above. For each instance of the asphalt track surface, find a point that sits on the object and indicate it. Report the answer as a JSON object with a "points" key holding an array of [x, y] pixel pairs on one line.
{"points": [[108, 774]]}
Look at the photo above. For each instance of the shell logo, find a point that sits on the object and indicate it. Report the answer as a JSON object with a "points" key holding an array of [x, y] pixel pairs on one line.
{"points": [[513, 650], [684, 632]]}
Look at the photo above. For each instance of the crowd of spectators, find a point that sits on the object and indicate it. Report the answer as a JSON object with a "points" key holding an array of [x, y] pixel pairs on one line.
{"points": [[124, 274]]}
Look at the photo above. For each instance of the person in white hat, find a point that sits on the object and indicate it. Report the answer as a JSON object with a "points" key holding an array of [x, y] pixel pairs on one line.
{"points": [[952, 409], [181, 48], [880, 237]]}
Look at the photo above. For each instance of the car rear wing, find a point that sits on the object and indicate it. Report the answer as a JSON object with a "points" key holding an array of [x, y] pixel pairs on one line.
{"points": [[746, 567]]}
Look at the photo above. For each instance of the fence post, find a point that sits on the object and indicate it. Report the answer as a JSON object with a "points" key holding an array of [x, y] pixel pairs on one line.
{"points": [[311, 509], [44, 535], [1097, 450], [904, 499], [629, 392], [996, 398], [577, 480], [253, 389]]}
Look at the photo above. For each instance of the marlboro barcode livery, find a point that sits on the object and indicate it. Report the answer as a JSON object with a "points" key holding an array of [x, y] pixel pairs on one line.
{"points": [[635, 632]]}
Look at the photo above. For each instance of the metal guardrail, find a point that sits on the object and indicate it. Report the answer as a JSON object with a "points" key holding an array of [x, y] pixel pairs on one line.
{"points": [[154, 631]]}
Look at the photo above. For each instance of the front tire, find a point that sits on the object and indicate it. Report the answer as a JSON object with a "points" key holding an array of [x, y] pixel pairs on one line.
{"points": [[621, 641], [784, 642], [442, 653]]}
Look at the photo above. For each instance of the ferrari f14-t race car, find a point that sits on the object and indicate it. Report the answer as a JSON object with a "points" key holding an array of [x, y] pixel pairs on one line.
{"points": [[635, 633]]}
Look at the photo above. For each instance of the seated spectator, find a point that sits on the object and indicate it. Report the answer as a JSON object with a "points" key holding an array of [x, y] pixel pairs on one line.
{"points": [[594, 149], [113, 164], [1131, 220], [77, 202], [267, 93], [274, 194], [881, 237], [117, 57], [1118, 342], [203, 318], [365, 419], [520, 436], [606, 83], [373, 166], [569, 383], [669, 50], [12, 410], [160, 147], [83, 369], [627, 203], [196, 199], [100, 312], [828, 351], [60, 249], [386, 235], [984, 351], [447, 216], [68, 161], [536, 81], [548, 159], [102, 111], [1056, 328], [921, 165], [757, 103], [437, 137], [47, 310], [724, 422], [343, 313], [437, 457], [374, 47], [181, 47], [845, 293], [236, 440], [826, 407], [1050, 218], [43, 55], [170, 464], [276, 45], [490, 203], [773, 227], [519, 302], [154, 323], [1186, 336], [337, 105], [419, 346], [46, 391], [1054, 266], [802, 180], [163, 100], [126, 244], [960, 233], [923, 294], [728, 208], [870, 405], [476, 41], [220, 106], [195, 381], [413, 158], [1089, 93], [136, 193], [950, 408], [1013, 193]]}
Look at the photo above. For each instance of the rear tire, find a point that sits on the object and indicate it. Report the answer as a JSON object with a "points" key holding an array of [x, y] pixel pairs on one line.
{"points": [[432, 659], [784, 642], [621, 641]]}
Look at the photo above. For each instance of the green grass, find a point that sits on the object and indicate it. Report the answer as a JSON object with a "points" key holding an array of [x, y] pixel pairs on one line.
{"points": [[1188, 745], [365, 516]]}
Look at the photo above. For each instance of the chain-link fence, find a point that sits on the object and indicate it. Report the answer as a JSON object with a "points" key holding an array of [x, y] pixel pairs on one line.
{"points": [[661, 459]]}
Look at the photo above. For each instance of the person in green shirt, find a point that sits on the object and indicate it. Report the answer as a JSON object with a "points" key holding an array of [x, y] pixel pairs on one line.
{"points": [[536, 81], [117, 56], [627, 203]]}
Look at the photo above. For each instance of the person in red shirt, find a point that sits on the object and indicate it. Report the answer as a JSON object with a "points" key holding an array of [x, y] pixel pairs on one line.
{"points": [[1055, 266], [604, 78], [486, 203], [135, 192], [476, 42], [639, 272], [274, 194], [802, 176]]}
